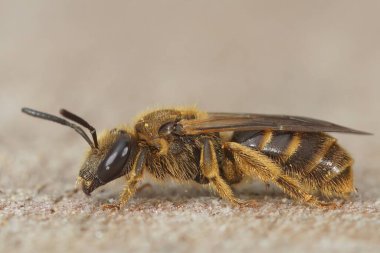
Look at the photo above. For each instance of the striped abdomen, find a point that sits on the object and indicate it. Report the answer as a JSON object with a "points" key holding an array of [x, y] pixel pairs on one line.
{"points": [[314, 159]]}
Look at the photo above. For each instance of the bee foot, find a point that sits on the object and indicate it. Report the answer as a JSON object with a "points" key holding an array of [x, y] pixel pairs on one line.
{"points": [[249, 204], [112, 207], [330, 205]]}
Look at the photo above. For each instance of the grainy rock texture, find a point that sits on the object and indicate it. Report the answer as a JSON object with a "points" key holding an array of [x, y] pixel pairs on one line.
{"points": [[109, 61]]}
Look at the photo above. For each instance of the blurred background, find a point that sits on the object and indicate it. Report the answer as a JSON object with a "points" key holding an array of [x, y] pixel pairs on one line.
{"points": [[110, 60]]}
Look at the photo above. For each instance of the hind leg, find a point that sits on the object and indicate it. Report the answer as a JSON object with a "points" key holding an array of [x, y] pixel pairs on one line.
{"points": [[253, 163]]}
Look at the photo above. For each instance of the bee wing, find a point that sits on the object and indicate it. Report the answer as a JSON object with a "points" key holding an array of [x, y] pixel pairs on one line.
{"points": [[223, 122]]}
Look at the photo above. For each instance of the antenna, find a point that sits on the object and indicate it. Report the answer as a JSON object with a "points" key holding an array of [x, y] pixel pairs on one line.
{"points": [[82, 122], [46, 116]]}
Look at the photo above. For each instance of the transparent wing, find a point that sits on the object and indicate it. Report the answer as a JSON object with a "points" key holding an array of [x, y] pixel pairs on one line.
{"points": [[222, 122]]}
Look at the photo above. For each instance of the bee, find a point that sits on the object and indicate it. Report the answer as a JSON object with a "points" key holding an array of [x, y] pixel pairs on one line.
{"points": [[186, 144]]}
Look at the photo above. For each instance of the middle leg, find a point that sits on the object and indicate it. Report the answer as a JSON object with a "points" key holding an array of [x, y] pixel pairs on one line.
{"points": [[210, 170]]}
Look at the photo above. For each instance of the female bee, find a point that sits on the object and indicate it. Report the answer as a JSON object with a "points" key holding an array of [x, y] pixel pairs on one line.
{"points": [[293, 153]]}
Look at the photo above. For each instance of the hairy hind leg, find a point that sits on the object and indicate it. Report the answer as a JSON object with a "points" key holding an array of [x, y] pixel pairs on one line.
{"points": [[253, 163]]}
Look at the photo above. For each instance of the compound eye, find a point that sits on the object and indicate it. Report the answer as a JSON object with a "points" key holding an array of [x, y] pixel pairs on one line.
{"points": [[114, 162]]}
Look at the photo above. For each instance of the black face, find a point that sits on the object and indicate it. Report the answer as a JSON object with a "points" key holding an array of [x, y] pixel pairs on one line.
{"points": [[114, 163]]}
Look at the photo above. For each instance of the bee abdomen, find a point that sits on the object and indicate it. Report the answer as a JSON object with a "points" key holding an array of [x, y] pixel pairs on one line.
{"points": [[307, 152], [333, 174], [275, 144], [315, 159]]}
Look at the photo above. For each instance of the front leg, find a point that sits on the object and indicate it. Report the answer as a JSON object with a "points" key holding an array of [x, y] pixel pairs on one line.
{"points": [[134, 177], [210, 170]]}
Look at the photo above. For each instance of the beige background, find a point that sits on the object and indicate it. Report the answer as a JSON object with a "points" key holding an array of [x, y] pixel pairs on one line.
{"points": [[110, 60]]}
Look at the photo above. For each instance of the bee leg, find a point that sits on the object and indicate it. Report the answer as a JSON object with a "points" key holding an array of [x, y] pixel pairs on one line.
{"points": [[210, 170], [254, 164], [133, 178]]}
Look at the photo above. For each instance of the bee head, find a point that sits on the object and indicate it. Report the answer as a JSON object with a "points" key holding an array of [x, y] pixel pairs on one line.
{"points": [[107, 159], [112, 159]]}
